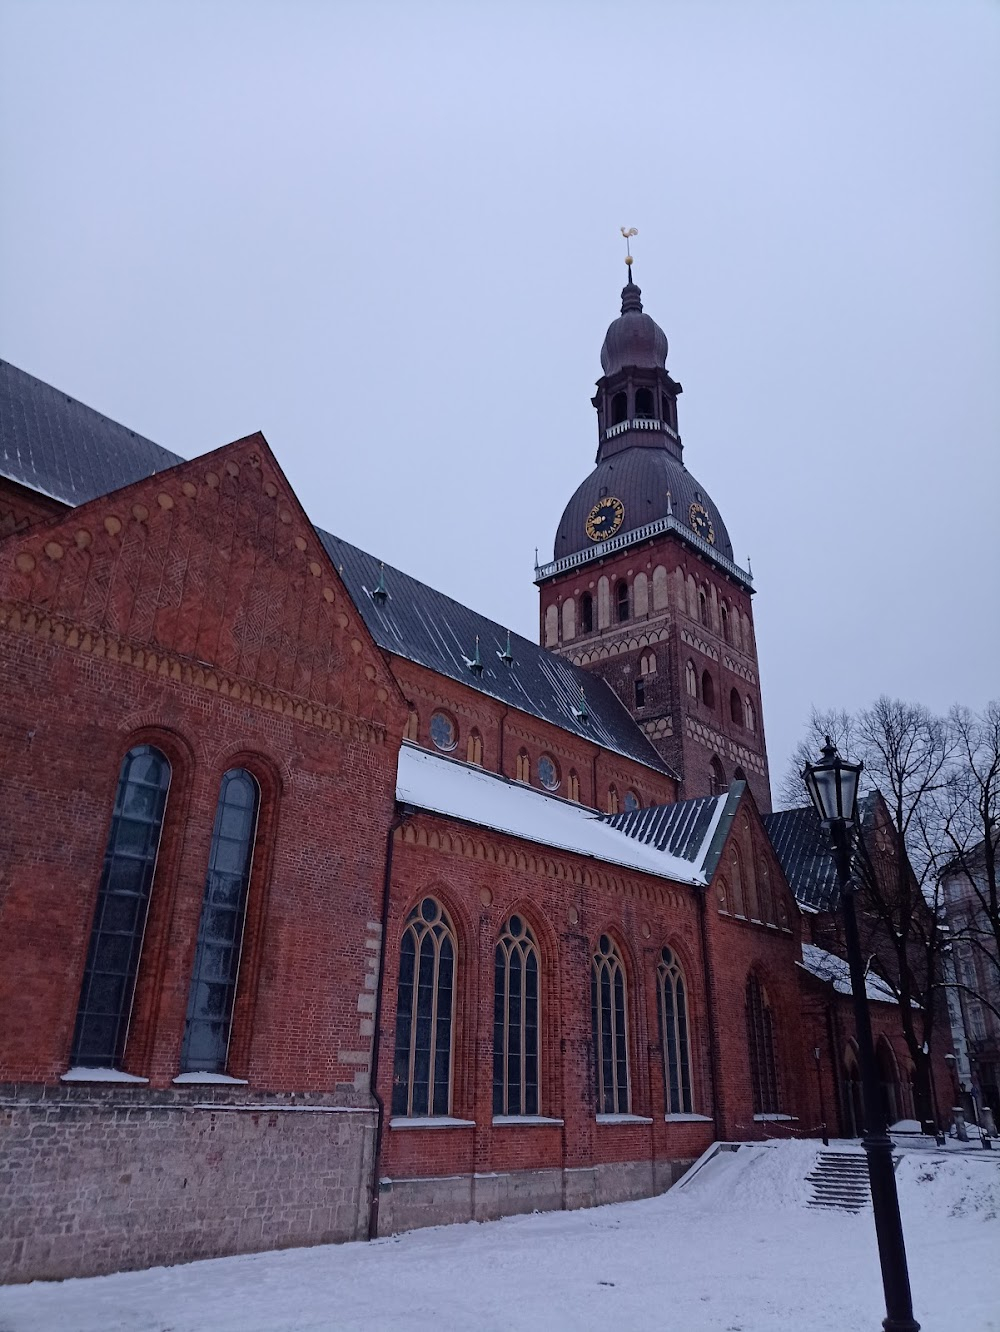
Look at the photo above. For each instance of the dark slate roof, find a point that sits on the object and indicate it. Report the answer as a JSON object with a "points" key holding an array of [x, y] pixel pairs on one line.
{"points": [[804, 852], [423, 625], [51, 443], [679, 829]]}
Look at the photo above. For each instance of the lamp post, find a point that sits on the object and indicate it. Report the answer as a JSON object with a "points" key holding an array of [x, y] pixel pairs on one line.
{"points": [[832, 784]]}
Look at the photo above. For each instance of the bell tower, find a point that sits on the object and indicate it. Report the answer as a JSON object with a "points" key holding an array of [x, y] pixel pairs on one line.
{"points": [[643, 589]]}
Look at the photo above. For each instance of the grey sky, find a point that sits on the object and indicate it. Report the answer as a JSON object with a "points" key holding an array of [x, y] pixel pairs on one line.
{"points": [[387, 235]]}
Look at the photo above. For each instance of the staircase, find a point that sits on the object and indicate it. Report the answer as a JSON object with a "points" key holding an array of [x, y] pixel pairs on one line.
{"points": [[840, 1180]]}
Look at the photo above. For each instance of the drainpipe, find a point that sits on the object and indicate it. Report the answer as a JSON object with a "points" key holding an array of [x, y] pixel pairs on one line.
{"points": [[709, 1013], [403, 812]]}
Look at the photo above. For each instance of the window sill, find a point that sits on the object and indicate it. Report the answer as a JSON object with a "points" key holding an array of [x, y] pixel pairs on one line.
{"points": [[100, 1075], [208, 1080], [687, 1119], [623, 1119], [523, 1121], [775, 1119], [432, 1122]]}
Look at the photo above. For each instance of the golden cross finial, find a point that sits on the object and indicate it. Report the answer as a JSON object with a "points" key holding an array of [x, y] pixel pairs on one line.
{"points": [[628, 233]]}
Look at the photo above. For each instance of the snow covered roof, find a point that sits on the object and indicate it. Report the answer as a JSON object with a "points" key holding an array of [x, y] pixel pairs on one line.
{"points": [[828, 967], [462, 791]]}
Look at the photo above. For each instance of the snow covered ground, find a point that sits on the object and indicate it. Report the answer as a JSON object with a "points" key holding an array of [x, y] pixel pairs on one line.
{"points": [[736, 1250]]}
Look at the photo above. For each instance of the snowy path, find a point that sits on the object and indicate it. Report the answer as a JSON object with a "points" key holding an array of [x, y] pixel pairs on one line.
{"points": [[737, 1251]]}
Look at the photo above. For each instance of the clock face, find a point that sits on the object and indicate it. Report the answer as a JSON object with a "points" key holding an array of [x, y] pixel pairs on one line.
{"points": [[605, 518], [701, 523]]}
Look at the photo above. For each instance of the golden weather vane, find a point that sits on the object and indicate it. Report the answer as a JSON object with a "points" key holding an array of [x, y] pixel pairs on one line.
{"points": [[628, 233]]}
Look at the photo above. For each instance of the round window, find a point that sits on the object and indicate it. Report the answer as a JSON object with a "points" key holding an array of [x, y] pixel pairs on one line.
{"points": [[548, 773], [631, 802], [443, 731]]}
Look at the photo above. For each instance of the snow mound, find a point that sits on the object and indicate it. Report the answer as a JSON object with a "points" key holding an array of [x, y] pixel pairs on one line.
{"points": [[949, 1186]]}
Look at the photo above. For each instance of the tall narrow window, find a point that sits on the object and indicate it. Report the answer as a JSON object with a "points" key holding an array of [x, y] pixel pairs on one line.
{"points": [[412, 726], [622, 601], [703, 606], [736, 874], [574, 787], [718, 777], [691, 679], [586, 614], [523, 767], [515, 1022], [610, 1023], [612, 799], [674, 1034], [760, 1035], [122, 904], [707, 690], [619, 408], [735, 707], [474, 748], [220, 930], [640, 691], [644, 403], [749, 715], [425, 1008], [724, 617]]}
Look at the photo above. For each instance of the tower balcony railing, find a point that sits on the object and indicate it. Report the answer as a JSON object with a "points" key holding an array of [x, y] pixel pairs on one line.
{"points": [[633, 538], [641, 423]]}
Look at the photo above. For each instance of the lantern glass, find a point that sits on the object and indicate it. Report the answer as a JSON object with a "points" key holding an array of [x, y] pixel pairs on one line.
{"points": [[833, 786]]}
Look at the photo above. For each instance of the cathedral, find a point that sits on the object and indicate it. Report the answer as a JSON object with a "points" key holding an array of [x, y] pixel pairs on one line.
{"points": [[330, 908]]}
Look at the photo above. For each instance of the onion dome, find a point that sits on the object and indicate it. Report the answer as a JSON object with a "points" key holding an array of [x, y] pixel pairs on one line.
{"points": [[634, 339]]}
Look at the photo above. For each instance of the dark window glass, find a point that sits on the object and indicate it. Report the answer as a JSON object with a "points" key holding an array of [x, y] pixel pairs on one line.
{"points": [[610, 1028], [674, 1034], [707, 690], [735, 708], [515, 1022], [718, 777], [425, 1005], [622, 600], [619, 408], [443, 731], [644, 403], [640, 692], [122, 904], [760, 1035], [586, 614], [220, 930]]}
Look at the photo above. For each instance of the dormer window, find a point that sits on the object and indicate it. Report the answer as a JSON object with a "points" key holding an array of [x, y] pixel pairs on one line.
{"points": [[644, 404], [619, 409]]}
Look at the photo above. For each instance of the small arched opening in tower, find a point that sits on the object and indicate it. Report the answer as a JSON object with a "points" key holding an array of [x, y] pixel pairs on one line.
{"points": [[735, 707], [586, 614], [707, 690], [718, 777], [644, 408], [622, 601], [619, 409]]}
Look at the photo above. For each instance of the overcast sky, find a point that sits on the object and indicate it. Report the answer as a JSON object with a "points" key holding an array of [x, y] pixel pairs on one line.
{"points": [[387, 236]]}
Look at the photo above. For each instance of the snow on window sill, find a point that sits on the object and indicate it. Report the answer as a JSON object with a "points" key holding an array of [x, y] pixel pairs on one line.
{"points": [[623, 1119], [687, 1119], [775, 1119], [431, 1122], [99, 1075], [208, 1080], [510, 1121]]}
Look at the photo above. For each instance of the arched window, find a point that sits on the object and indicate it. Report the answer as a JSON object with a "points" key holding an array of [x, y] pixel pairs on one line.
{"points": [[122, 904], [619, 408], [425, 1010], [548, 773], [766, 895], [674, 1034], [444, 732], [738, 774], [574, 786], [610, 1023], [888, 1077], [735, 707], [691, 679], [632, 802], [639, 685], [736, 875], [621, 601], [703, 614], [724, 617], [760, 1037], [749, 715], [412, 726], [569, 618], [523, 766], [220, 929], [718, 777], [644, 404], [707, 690], [586, 614], [649, 664], [612, 799], [474, 749], [515, 1022]]}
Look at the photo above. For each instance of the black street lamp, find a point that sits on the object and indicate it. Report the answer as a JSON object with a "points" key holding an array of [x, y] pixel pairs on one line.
{"points": [[833, 788]]}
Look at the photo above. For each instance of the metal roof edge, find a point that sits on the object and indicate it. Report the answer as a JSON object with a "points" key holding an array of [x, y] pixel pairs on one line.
{"points": [[722, 827]]}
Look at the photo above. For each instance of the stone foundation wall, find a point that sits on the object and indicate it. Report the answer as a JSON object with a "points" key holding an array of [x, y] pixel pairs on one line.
{"points": [[99, 1183], [407, 1204]]}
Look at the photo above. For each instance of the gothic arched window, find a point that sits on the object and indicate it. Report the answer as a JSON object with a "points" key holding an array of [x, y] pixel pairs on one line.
{"points": [[619, 409], [760, 1037], [736, 875], [612, 799], [622, 601], [724, 617], [707, 690], [703, 614], [586, 614], [609, 1016], [515, 1021], [412, 726], [474, 748], [220, 929], [749, 715], [644, 404], [122, 905], [735, 707], [573, 785], [718, 777], [691, 679], [674, 1034], [523, 766], [425, 1010]]}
